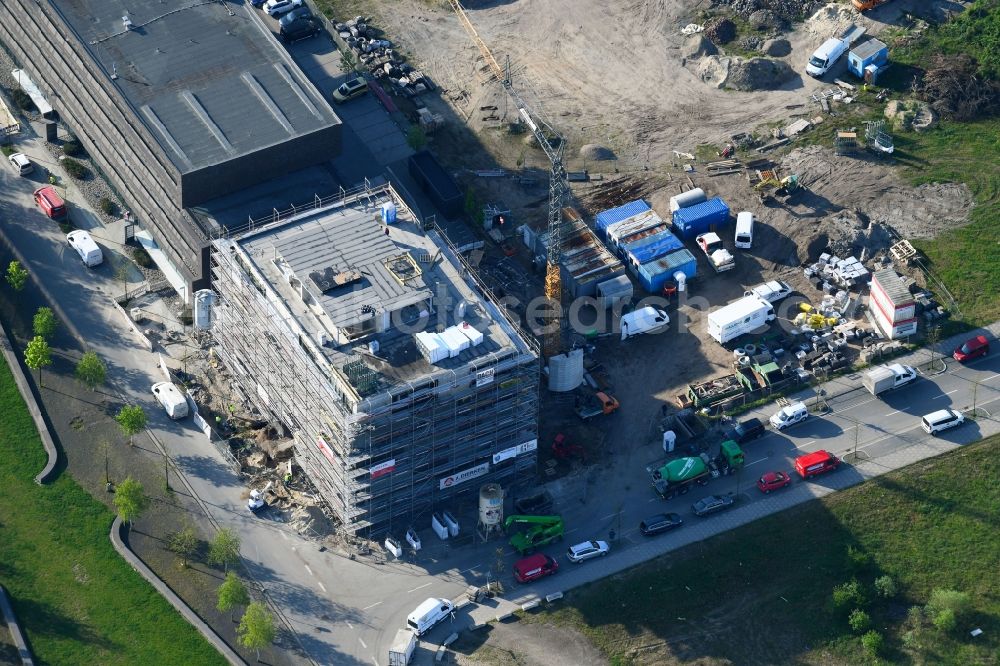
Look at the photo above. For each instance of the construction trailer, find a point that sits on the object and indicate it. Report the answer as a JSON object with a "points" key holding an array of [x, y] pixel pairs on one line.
{"points": [[398, 375], [583, 259]]}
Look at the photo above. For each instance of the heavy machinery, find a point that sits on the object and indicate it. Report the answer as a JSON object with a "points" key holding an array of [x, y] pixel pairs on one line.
{"points": [[541, 530], [564, 449], [553, 145], [772, 187], [678, 476], [596, 404]]}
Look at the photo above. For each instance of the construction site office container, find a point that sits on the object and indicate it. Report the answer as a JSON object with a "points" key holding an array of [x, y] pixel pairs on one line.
{"points": [[632, 228], [872, 52], [697, 219], [652, 247], [614, 291], [654, 274], [639, 235], [606, 218]]}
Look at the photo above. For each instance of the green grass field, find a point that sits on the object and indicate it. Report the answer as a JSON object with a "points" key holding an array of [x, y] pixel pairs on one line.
{"points": [[761, 594], [76, 598]]}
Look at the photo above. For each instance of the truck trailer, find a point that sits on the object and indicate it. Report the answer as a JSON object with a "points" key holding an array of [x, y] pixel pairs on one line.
{"points": [[402, 648], [739, 317]]}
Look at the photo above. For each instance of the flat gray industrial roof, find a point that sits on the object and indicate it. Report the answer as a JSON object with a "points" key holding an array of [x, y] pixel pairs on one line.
{"points": [[209, 86]]}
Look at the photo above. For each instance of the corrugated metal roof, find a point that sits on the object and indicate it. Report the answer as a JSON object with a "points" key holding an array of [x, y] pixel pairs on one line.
{"points": [[608, 217], [894, 286], [868, 49]]}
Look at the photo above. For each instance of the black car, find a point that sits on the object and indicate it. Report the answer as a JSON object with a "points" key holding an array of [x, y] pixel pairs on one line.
{"points": [[744, 431], [302, 28], [712, 503], [661, 522], [293, 16]]}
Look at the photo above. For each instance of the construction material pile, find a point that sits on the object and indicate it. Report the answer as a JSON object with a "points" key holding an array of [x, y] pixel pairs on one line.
{"points": [[789, 10], [721, 31], [758, 74], [831, 272], [380, 58], [751, 43]]}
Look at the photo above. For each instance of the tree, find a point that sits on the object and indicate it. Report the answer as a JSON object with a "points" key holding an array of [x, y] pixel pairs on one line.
{"points": [[256, 629], [848, 594], [131, 419], [17, 276], [933, 338], [232, 594], [946, 607], [872, 642], [416, 137], [130, 500], [37, 355], [183, 543], [45, 323], [859, 620], [225, 548], [91, 370], [885, 587]]}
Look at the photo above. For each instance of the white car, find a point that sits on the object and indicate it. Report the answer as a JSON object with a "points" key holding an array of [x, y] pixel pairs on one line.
{"points": [[21, 164], [587, 550], [279, 7], [89, 251], [789, 415], [772, 291], [256, 502], [943, 419]]}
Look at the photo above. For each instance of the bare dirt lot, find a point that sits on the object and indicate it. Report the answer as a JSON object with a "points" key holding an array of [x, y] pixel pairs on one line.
{"points": [[525, 644]]}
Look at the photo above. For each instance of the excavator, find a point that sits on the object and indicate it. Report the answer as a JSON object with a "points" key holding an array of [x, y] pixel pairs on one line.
{"points": [[542, 530], [770, 186]]}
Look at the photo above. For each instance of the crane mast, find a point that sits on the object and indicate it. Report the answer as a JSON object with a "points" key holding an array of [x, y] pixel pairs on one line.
{"points": [[552, 337]]}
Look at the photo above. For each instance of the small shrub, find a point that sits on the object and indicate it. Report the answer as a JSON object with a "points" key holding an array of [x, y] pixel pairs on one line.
{"points": [[7, 149], [72, 148], [23, 100], [957, 602], [75, 169], [885, 587], [945, 620], [857, 559], [848, 594], [872, 642], [107, 206], [142, 257], [859, 620]]}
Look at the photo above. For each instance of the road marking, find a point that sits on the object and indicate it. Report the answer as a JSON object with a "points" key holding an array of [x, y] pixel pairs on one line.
{"points": [[469, 569], [283, 536], [653, 499], [349, 625], [371, 606], [950, 392], [575, 529], [811, 441], [898, 411], [363, 644], [610, 515], [309, 570], [321, 586], [992, 377], [418, 588], [944, 395], [375, 661], [755, 462]]}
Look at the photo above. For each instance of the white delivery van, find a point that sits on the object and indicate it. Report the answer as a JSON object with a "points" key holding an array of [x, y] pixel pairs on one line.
{"points": [[644, 320], [173, 401], [744, 230], [427, 614], [85, 246], [739, 317], [789, 415]]}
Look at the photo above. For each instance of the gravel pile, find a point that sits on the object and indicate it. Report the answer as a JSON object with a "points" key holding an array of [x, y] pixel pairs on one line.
{"points": [[697, 46], [765, 20], [721, 31], [596, 153], [758, 74], [751, 43], [788, 10], [777, 48]]}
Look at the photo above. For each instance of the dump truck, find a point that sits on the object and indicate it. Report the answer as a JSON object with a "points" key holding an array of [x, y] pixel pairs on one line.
{"points": [[541, 530], [887, 377], [597, 404]]}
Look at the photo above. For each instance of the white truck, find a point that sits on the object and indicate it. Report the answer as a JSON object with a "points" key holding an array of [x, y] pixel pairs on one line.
{"points": [[718, 256], [747, 314], [887, 377], [827, 55], [644, 320], [402, 648], [772, 291]]}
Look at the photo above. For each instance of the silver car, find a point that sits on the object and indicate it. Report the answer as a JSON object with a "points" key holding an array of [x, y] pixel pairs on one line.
{"points": [[587, 550]]}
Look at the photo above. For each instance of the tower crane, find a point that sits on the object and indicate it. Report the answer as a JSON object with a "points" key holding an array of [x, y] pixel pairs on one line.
{"points": [[558, 186]]}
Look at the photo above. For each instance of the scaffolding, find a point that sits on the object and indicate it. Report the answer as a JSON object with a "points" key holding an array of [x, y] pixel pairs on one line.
{"points": [[382, 452]]}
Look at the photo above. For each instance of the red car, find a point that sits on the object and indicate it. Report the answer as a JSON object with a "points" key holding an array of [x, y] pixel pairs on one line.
{"points": [[534, 567], [773, 481], [974, 348]]}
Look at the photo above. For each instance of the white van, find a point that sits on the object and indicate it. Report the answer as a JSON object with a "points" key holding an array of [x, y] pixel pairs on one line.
{"points": [[789, 415], [428, 614], [173, 401], [85, 246], [943, 419], [644, 320], [744, 230]]}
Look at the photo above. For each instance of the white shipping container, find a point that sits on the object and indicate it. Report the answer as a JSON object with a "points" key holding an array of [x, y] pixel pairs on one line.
{"points": [[431, 347], [469, 331], [739, 317], [454, 340]]}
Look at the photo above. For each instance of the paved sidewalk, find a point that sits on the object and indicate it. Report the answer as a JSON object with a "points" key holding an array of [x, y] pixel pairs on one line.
{"points": [[15, 629]]}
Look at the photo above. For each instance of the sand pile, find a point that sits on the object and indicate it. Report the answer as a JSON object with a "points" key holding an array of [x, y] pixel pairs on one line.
{"points": [[758, 74]]}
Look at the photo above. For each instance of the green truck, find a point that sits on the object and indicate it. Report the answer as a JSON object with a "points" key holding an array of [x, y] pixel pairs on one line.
{"points": [[541, 530], [677, 477]]}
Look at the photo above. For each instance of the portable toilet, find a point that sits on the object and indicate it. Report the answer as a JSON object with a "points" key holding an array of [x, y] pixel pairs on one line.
{"points": [[872, 56]]}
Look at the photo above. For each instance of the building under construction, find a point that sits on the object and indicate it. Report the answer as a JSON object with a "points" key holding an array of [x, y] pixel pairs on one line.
{"points": [[369, 338]]}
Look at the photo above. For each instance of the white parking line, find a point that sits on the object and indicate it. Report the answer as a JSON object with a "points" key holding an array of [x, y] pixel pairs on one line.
{"points": [[371, 606], [349, 625], [309, 570], [898, 411], [375, 661], [418, 588], [755, 462], [363, 644], [992, 377], [609, 516], [469, 569], [321, 586]]}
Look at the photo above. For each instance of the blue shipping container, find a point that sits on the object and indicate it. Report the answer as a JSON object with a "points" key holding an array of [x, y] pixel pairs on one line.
{"points": [[652, 247], [654, 274], [606, 218], [697, 219]]}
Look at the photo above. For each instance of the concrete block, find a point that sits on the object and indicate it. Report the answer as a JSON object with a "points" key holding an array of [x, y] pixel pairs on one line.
{"points": [[451, 639], [554, 596], [501, 618], [440, 653], [462, 603], [477, 627], [531, 604]]}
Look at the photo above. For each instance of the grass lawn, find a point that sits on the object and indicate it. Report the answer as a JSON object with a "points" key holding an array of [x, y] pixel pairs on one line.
{"points": [[78, 601], [761, 594]]}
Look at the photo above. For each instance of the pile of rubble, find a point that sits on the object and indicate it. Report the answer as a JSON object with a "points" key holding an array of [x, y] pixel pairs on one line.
{"points": [[830, 273], [721, 31], [751, 43], [380, 58], [789, 10], [758, 74]]}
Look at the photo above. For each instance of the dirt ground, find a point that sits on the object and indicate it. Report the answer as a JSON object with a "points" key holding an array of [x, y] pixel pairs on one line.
{"points": [[525, 644]]}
